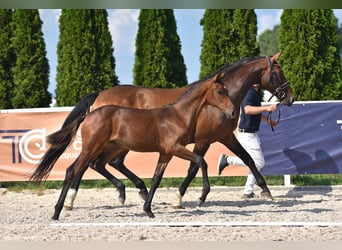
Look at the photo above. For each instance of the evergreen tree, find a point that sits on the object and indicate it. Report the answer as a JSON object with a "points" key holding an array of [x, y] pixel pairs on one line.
{"points": [[158, 59], [310, 53], [85, 55], [6, 59], [31, 69], [340, 42], [105, 62], [340, 39], [268, 41], [228, 35]]}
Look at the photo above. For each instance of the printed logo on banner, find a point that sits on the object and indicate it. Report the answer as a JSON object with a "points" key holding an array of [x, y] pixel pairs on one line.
{"points": [[30, 145], [37, 138]]}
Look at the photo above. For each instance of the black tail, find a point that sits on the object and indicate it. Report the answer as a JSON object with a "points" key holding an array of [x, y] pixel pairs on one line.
{"points": [[81, 109], [61, 139]]}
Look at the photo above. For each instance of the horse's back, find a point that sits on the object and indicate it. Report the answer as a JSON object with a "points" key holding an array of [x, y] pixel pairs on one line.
{"points": [[137, 96], [113, 122]]}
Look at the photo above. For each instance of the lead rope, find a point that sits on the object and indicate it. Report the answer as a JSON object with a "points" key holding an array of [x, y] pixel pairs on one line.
{"points": [[269, 118]]}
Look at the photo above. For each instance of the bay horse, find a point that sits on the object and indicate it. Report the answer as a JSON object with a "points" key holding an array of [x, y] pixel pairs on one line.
{"points": [[111, 129], [212, 126]]}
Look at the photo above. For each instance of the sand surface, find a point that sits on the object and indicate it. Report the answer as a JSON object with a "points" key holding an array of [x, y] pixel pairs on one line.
{"points": [[296, 214]]}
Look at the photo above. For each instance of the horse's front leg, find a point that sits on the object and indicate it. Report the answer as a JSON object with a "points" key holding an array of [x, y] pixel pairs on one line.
{"points": [[233, 144], [199, 149], [158, 175], [206, 185], [186, 154]]}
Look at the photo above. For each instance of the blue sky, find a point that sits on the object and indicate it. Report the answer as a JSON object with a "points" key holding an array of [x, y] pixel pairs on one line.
{"points": [[123, 26]]}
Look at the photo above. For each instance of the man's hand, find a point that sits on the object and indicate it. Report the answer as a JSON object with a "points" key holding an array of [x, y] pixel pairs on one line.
{"points": [[271, 108]]}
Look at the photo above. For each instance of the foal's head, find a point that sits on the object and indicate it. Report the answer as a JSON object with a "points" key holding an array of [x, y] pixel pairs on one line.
{"points": [[218, 96]]}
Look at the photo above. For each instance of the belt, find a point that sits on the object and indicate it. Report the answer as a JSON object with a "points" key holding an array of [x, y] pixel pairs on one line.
{"points": [[243, 130]]}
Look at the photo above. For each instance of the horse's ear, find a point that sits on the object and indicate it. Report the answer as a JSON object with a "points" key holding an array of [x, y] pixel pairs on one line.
{"points": [[219, 77], [275, 57]]}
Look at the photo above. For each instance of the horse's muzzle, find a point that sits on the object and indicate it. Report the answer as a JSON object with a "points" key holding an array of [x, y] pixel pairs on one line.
{"points": [[230, 113], [289, 100]]}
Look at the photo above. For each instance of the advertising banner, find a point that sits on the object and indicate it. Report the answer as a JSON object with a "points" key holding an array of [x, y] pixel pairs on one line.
{"points": [[308, 140], [23, 143]]}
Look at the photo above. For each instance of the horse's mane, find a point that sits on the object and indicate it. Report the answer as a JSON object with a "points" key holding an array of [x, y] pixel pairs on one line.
{"points": [[191, 87], [233, 65], [225, 67]]}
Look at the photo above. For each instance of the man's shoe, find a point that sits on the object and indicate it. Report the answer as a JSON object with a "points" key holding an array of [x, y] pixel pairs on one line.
{"points": [[222, 163], [248, 196]]}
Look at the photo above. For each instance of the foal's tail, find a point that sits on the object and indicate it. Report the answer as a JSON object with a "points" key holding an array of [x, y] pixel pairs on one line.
{"points": [[61, 139]]}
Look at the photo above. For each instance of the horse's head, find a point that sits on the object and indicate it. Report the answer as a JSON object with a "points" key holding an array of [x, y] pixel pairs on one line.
{"points": [[274, 81], [218, 96]]}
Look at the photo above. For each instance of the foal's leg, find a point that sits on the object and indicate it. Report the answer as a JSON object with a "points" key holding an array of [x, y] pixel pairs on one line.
{"points": [[118, 164], [157, 176], [192, 171], [71, 196], [100, 167], [233, 144], [72, 193], [69, 175], [184, 153]]}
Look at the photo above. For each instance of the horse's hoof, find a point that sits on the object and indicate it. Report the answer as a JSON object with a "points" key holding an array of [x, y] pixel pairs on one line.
{"points": [[178, 207], [68, 207], [122, 200], [266, 195], [200, 202], [143, 194], [54, 217], [150, 214]]}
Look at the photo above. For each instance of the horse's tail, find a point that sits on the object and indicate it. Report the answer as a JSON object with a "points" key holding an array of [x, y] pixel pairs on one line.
{"points": [[81, 108], [61, 139], [59, 142]]}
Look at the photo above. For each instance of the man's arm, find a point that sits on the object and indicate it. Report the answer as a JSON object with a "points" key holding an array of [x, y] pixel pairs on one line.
{"points": [[254, 110]]}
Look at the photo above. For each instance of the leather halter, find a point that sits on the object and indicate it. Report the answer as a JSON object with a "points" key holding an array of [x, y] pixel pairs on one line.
{"points": [[279, 92]]}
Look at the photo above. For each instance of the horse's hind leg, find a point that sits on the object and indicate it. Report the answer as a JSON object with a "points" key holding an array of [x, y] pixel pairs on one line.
{"points": [[69, 175], [238, 150], [118, 164], [72, 193], [100, 168]]}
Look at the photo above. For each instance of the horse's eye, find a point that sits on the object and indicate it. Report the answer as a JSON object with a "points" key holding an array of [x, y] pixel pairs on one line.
{"points": [[222, 91]]}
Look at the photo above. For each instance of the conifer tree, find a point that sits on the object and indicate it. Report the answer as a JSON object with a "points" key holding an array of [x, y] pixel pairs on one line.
{"points": [[31, 69], [228, 35], [6, 59], [268, 41], [310, 53], [85, 55], [158, 59]]}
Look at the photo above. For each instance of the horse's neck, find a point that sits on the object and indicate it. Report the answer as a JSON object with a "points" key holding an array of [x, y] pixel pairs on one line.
{"points": [[193, 101], [240, 86]]}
